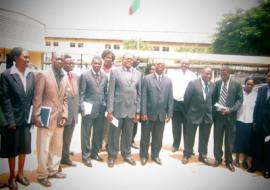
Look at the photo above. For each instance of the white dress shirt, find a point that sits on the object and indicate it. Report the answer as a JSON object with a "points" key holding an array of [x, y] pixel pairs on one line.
{"points": [[14, 70], [245, 112], [180, 81]]}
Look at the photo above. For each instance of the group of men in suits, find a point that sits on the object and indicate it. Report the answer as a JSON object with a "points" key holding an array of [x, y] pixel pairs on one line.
{"points": [[129, 97], [206, 103]]}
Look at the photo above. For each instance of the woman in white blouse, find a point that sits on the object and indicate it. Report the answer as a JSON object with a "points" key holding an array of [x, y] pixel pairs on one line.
{"points": [[244, 125]]}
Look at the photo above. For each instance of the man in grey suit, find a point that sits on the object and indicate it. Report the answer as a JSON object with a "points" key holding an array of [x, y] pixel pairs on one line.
{"points": [[73, 108], [198, 107], [124, 99], [157, 108], [227, 97], [93, 90]]}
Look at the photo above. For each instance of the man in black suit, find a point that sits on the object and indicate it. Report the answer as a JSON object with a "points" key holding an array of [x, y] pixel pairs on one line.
{"points": [[227, 97], [157, 108], [73, 108], [261, 130], [93, 92], [198, 106]]}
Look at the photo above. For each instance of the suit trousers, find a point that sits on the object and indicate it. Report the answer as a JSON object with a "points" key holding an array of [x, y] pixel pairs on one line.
{"points": [[156, 130], [125, 128], [67, 136], [49, 150], [86, 126], [260, 151], [222, 126], [204, 133], [178, 124]]}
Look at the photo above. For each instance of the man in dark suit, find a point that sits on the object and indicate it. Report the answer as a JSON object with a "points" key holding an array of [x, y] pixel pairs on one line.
{"points": [[227, 97], [198, 107], [124, 100], [93, 90], [261, 131], [73, 108], [157, 108]]}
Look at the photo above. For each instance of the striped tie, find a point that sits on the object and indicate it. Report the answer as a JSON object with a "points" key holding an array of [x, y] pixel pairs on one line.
{"points": [[223, 95]]}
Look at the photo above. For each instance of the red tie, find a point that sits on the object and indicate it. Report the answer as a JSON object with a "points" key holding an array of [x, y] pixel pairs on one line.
{"points": [[71, 83]]}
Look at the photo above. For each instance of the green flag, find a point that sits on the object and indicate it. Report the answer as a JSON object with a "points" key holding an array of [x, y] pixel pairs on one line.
{"points": [[134, 7]]}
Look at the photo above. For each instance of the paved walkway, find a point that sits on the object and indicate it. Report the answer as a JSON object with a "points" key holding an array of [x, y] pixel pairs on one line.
{"points": [[172, 175]]}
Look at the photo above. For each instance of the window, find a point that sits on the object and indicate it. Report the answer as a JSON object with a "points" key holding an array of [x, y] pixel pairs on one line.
{"points": [[155, 48], [48, 43], [80, 45], [55, 44], [72, 44], [116, 46], [107, 46], [165, 49]]}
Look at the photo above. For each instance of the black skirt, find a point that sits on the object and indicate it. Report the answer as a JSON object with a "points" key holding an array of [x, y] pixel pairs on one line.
{"points": [[15, 142], [242, 138]]}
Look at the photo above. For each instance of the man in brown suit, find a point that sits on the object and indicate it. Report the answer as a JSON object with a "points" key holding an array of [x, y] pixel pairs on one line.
{"points": [[51, 91]]}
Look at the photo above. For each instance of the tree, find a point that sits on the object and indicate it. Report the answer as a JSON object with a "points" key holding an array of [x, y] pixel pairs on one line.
{"points": [[244, 32]]}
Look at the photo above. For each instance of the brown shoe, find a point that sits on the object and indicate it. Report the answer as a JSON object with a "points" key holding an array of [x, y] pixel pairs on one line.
{"points": [[12, 185], [44, 182], [23, 180], [58, 175], [185, 160]]}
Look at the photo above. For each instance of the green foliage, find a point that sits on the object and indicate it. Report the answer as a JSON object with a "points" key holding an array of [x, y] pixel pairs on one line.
{"points": [[244, 32], [193, 49]]}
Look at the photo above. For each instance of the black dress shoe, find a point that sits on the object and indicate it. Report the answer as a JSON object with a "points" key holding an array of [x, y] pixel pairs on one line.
{"points": [[217, 163], [266, 174], [236, 163], [23, 180], [97, 158], [110, 162], [71, 153], [230, 167], [87, 163], [174, 149], [157, 160], [252, 170], [245, 164], [58, 175], [12, 185], [130, 161], [68, 163], [3, 185], [204, 160], [44, 182], [143, 161], [185, 160]]}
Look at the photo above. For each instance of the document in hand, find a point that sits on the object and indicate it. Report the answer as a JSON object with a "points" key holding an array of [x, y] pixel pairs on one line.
{"points": [[267, 138], [87, 108], [219, 107], [45, 114]]}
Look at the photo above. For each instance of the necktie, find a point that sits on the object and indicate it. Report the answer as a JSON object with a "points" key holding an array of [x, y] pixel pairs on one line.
{"points": [[97, 77], [206, 88], [71, 83], [223, 95]]}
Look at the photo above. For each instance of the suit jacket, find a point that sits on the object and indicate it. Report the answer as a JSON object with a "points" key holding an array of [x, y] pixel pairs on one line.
{"points": [[15, 102], [93, 92], [124, 96], [261, 114], [72, 99], [198, 109], [47, 93], [157, 97], [234, 98]]}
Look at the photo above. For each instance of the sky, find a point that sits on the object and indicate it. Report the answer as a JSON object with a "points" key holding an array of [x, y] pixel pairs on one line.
{"points": [[191, 16]]}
